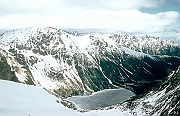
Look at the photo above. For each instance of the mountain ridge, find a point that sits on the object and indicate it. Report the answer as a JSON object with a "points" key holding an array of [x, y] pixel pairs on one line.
{"points": [[67, 65]]}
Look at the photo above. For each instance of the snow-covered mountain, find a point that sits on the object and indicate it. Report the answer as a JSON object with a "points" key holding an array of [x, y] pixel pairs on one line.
{"points": [[147, 44], [162, 101], [71, 64]]}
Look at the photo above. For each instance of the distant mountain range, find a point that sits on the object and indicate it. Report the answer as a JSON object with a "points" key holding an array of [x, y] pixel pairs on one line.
{"points": [[70, 63]]}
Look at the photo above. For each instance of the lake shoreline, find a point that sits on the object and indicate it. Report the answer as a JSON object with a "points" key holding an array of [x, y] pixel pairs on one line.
{"points": [[100, 99]]}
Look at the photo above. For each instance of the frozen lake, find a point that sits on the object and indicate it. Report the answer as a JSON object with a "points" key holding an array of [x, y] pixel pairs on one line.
{"points": [[101, 99]]}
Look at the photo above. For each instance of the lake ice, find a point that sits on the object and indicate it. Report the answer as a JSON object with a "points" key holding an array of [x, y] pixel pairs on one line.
{"points": [[102, 99]]}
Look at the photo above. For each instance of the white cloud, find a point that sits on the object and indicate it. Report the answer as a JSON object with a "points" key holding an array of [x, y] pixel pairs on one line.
{"points": [[115, 15], [18, 6], [114, 4]]}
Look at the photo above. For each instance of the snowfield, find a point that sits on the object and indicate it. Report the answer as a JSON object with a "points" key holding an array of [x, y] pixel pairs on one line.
{"points": [[24, 100]]}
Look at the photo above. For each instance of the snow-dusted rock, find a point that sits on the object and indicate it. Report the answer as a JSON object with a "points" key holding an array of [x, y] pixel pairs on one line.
{"points": [[70, 64]]}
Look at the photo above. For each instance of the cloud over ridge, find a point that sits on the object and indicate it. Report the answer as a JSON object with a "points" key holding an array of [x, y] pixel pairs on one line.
{"points": [[114, 15]]}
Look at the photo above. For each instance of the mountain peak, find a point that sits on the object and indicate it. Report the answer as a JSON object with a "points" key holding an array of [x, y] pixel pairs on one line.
{"points": [[60, 62]]}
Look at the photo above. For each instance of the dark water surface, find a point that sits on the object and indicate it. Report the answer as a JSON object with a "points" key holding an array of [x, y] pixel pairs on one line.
{"points": [[101, 99]]}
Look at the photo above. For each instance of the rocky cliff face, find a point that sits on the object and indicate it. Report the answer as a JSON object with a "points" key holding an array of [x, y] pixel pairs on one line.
{"points": [[162, 101], [169, 103], [69, 64], [5, 69]]}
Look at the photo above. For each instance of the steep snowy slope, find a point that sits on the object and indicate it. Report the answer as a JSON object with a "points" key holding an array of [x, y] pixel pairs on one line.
{"points": [[169, 103], [66, 65], [163, 101], [24, 100]]}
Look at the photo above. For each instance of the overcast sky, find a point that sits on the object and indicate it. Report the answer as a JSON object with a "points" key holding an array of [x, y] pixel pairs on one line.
{"points": [[132, 16]]}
